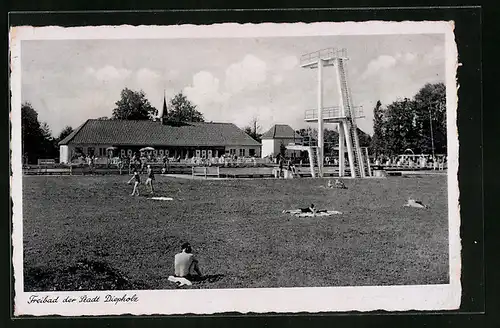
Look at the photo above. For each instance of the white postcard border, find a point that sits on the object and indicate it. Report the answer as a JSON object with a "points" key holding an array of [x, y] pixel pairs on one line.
{"points": [[265, 300]]}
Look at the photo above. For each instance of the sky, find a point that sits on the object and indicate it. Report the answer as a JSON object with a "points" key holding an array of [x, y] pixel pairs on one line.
{"points": [[230, 80]]}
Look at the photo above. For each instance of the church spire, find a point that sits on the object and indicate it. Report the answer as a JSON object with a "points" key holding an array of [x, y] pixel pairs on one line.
{"points": [[164, 110]]}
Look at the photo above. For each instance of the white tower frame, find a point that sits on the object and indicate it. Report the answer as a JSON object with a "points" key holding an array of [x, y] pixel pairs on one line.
{"points": [[344, 115]]}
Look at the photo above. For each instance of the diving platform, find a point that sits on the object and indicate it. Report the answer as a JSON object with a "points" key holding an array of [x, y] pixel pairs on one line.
{"points": [[343, 115], [299, 147], [328, 56], [332, 114]]}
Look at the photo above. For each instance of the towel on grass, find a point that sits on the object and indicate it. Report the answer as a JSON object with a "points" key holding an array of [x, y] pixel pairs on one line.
{"points": [[300, 214], [414, 203], [179, 280], [162, 198]]}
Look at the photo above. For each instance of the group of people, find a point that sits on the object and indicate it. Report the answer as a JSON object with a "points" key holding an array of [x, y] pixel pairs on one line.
{"points": [[290, 167], [136, 177], [422, 161]]}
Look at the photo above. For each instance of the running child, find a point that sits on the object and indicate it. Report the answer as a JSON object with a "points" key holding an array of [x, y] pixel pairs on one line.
{"points": [[137, 179]]}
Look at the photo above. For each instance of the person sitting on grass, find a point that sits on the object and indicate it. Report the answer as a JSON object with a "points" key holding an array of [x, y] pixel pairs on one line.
{"points": [[137, 178], [185, 263]]}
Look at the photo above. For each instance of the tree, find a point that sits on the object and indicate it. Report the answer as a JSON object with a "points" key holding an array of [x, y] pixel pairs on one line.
{"points": [[401, 132], [49, 147], [378, 144], [133, 105], [37, 140], [364, 138], [64, 133], [182, 110], [331, 141], [30, 133], [253, 130], [430, 108]]}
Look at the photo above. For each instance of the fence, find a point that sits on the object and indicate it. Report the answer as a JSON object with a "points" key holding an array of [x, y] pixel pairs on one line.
{"points": [[206, 171]]}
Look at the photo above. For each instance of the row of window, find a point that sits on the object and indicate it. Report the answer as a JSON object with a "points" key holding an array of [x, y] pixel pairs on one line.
{"points": [[242, 152], [91, 151]]}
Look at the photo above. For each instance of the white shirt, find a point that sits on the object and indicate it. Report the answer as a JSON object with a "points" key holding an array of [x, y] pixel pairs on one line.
{"points": [[183, 262]]}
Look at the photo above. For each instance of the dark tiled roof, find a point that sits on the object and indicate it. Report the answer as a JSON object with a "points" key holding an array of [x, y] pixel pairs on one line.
{"points": [[140, 133], [281, 131]]}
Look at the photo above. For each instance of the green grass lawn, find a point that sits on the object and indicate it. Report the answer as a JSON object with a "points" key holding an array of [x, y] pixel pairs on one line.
{"points": [[87, 233]]}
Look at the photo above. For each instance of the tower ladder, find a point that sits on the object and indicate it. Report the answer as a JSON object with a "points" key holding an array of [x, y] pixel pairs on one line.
{"points": [[359, 165]]}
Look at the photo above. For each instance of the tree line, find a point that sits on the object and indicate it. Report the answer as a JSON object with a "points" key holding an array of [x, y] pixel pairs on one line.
{"points": [[39, 143], [418, 124]]}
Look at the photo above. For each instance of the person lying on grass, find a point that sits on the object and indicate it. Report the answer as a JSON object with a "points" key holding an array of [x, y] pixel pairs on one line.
{"points": [[137, 178], [185, 263], [310, 209], [338, 184], [414, 203]]}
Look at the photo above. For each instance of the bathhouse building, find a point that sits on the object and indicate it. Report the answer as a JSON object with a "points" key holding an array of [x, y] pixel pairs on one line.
{"points": [[104, 138], [279, 136]]}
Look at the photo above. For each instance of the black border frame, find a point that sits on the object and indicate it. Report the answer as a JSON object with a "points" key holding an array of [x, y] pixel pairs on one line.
{"points": [[468, 30]]}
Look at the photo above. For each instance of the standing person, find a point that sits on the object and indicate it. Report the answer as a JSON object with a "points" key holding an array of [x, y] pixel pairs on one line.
{"points": [[165, 164], [185, 262], [150, 179], [280, 163], [137, 179], [91, 164], [289, 168]]}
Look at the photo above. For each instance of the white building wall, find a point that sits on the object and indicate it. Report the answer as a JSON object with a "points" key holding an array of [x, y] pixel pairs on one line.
{"points": [[273, 146], [64, 154], [267, 147]]}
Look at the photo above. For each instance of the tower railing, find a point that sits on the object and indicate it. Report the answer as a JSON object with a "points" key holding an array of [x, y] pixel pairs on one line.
{"points": [[332, 113], [328, 53]]}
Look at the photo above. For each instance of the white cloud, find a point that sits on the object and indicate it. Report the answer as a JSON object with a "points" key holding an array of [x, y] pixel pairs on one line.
{"points": [[436, 54], [248, 73], [277, 79], [172, 74], [289, 62], [378, 64], [147, 76], [108, 73], [205, 89], [407, 57]]}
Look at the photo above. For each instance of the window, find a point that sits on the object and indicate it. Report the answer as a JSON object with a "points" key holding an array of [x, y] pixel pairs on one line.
{"points": [[129, 152], [232, 151], [91, 151], [102, 151], [122, 152], [162, 152], [242, 152], [251, 152]]}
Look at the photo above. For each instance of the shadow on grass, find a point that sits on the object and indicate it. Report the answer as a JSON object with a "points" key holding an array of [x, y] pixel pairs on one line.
{"points": [[84, 275]]}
